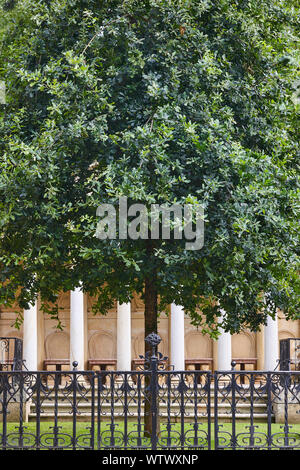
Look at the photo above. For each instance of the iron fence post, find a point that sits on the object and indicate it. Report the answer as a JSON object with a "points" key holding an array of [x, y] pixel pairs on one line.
{"points": [[38, 409], [269, 410], [154, 339], [233, 410], [74, 403], [216, 390], [153, 391], [287, 379], [209, 379]]}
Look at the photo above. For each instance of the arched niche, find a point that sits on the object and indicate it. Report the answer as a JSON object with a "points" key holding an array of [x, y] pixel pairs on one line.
{"points": [[14, 308], [63, 300], [57, 345], [198, 346], [243, 345], [92, 300], [102, 346], [14, 334], [163, 345], [284, 334], [138, 346]]}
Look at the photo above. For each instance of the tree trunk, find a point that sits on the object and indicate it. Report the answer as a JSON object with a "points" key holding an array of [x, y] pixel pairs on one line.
{"points": [[150, 309]]}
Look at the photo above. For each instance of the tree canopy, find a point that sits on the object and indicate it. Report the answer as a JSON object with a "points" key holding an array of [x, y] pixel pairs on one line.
{"points": [[187, 101]]}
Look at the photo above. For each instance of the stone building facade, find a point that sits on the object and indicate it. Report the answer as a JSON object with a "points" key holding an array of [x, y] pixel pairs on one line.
{"points": [[117, 340]]}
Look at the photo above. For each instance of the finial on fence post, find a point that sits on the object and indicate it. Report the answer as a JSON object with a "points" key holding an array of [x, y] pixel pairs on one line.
{"points": [[233, 364], [153, 339]]}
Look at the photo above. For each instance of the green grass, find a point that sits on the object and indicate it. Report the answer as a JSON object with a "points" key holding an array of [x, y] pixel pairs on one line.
{"points": [[83, 433]]}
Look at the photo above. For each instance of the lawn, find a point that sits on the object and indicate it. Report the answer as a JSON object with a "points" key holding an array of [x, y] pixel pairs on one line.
{"points": [[115, 437]]}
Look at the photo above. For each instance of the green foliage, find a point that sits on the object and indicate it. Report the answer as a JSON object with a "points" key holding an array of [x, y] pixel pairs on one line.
{"points": [[160, 101]]}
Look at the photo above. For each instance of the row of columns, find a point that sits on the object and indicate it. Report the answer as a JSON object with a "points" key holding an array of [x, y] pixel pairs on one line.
{"points": [[78, 335]]}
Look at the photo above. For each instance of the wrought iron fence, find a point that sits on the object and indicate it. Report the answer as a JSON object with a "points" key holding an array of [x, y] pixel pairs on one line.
{"points": [[289, 354], [11, 353], [268, 402], [151, 408]]}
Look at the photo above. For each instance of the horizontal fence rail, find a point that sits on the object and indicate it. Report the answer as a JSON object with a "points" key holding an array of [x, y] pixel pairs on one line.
{"points": [[149, 409]]}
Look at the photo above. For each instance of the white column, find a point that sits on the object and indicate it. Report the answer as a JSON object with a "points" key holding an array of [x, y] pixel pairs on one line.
{"points": [[77, 329], [30, 337], [271, 344], [124, 336], [177, 337], [224, 349]]}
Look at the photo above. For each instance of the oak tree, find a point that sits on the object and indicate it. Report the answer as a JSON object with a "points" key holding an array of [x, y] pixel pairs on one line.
{"points": [[162, 102]]}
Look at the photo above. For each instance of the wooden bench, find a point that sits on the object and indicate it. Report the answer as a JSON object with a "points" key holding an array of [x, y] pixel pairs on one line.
{"points": [[242, 362], [137, 364], [198, 363], [57, 363], [6, 365], [102, 363]]}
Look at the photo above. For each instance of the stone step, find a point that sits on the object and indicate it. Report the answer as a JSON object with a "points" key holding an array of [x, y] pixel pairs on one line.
{"points": [[108, 400], [174, 400], [173, 410], [242, 391], [64, 411], [257, 417]]}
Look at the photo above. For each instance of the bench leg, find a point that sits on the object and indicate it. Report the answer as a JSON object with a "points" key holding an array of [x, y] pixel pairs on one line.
{"points": [[58, 369], [242, 376]]}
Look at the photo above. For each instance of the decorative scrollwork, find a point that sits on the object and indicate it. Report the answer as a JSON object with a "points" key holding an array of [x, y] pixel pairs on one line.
{"points": [[153, 359]]}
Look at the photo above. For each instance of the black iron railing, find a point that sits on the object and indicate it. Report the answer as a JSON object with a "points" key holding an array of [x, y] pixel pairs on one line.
{"points": [[289, 354], [151, 408], [11, 353]]}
